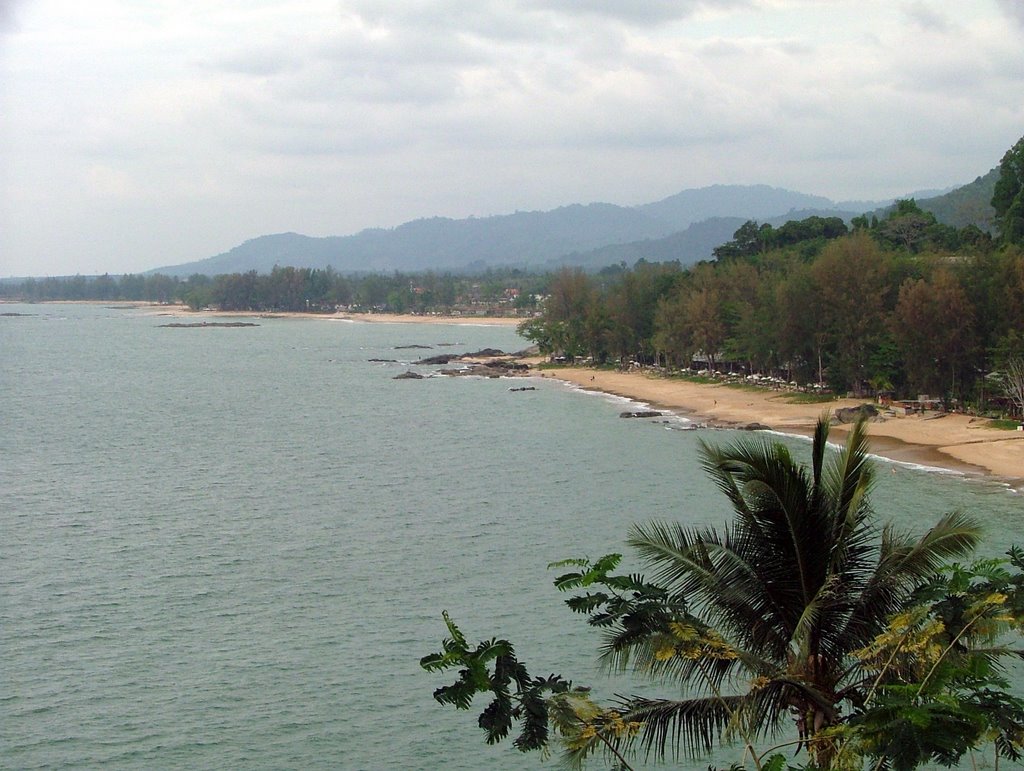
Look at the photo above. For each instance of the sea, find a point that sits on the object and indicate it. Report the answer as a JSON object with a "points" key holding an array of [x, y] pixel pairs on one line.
{"points": [[230, 547]]}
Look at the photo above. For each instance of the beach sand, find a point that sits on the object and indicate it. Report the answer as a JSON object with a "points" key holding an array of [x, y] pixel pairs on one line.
{"points": [[369, 318], [956, 442]]}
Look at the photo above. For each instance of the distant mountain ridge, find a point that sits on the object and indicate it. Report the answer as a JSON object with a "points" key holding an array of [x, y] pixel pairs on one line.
{"points": [[685, 226]]}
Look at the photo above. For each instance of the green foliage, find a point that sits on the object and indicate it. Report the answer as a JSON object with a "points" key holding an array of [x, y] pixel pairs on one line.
{"points": [[809, 398], [1002, 424], [799, 609], [492, 667], [939, 688], [1008, 197]]}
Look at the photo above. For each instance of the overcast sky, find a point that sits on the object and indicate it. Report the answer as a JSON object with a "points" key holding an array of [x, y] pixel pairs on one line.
{"points": [[140, 133]]}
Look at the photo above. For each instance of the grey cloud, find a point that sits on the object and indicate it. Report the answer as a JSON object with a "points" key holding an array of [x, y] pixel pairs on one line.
{"points": [[261, 62], [637, 12], [488, 19], [9, 16], [1014, 9], [927, 17]]}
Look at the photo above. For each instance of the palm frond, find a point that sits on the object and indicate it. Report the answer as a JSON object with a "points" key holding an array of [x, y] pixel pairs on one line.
{"points": [[718, 581], [689, 727], [849, 476], [818, 446]]}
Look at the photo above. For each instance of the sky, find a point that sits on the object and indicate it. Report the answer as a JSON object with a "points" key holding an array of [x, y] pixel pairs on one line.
{"points": [[142, 133]]}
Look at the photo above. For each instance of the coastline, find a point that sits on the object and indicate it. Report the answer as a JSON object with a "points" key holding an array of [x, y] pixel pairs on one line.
{"points": [[366, 318], [952, 442], [177, 310]]}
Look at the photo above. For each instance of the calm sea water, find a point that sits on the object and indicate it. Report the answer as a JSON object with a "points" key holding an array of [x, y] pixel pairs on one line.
{"points": [[229, 548]]}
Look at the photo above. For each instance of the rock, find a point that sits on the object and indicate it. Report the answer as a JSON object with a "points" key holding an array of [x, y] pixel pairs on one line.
{"points": [[405, 347], [444, 358], [853, 414], [384, 361], [524, 388], [484, 352], [408, 375], [755, 427], [640, 414]]}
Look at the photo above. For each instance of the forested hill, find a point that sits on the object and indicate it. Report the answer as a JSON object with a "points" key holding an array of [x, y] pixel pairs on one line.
{"points": [[970, 204], [539, 239], [698, 242]]}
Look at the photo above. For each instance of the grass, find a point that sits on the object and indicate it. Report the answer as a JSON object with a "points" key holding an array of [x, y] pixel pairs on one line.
{"points": [[1003, 424], [809, 398], [747, 387]]}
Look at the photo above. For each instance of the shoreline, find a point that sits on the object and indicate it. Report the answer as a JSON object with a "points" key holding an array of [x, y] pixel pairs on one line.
{"points": [[179, 310], [948, 442], [365, 318]]}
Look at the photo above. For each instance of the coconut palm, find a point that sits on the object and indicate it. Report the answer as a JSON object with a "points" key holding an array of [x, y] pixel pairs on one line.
{"points": [[777, 602]]}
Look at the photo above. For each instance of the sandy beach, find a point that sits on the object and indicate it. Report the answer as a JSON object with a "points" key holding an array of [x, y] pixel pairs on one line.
{"points": [[369, 318], [955, 442]]}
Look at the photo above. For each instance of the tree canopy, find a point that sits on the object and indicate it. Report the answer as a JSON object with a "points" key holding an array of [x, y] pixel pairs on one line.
{"points": [[1008, 198]]}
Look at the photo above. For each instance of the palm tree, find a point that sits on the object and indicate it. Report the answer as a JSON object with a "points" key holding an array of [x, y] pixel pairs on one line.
{"points": [[774, 606]]}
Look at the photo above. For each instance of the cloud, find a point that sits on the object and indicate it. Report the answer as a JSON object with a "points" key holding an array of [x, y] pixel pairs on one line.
{"points": [[256, 62], [9, 16], [248, 116], [637, 12], [1014, 9], [926, 17]]}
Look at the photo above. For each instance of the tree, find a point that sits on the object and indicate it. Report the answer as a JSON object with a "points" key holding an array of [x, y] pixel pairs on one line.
{"points": [[933, 324], [790, 611], [672, 338], [748, 240], [801, 324], [1008, 197], [702, 314], [851, 280], [1011, 380], [907, 225], [939, 688]]}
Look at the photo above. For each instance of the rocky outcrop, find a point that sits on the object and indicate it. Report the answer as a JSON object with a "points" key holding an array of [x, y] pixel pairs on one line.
{"points": [[754, 427], [508, 366], [853, 414], [475, 370], [640, 414], [408, 375], [444, 358]]}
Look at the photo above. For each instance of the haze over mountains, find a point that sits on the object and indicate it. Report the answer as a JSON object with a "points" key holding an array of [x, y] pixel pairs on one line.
{"points": [[684, 227]]}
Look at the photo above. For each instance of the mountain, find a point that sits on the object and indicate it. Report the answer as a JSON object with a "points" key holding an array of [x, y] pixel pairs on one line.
{"points": [[969, 204], [521, 239], [751, 202], [688, 246], [685, 226]]}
